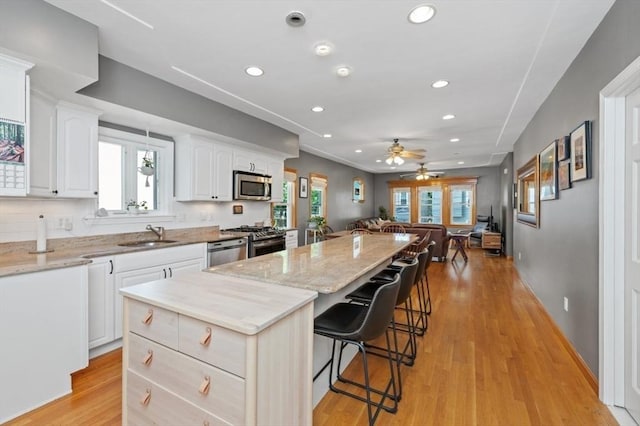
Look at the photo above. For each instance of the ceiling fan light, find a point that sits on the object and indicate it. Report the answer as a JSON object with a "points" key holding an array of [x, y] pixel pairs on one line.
{"points": [[399, 161], [389, 160], [419, 177]]}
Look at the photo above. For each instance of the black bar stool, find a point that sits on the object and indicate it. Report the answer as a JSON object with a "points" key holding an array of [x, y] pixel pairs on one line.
{"points": [[354, 324]]}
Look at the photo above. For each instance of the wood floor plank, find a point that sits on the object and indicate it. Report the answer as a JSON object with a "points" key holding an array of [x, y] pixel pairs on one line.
{"points": [[490, 357]]}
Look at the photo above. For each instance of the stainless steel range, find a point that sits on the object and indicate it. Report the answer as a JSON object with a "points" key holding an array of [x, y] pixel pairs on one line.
{"points": [[262, 239]]}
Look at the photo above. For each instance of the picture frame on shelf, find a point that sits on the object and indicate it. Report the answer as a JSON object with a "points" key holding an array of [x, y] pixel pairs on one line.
{"points": [[581, 152], [564, 174], [563, 149], [548, 175], [303, 188]]}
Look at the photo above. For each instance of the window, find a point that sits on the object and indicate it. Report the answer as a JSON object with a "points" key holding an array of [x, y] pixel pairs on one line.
{"points": [[401, 209], [284, 213], [461, 205], [121, 182], [318, 198], [447, 201], [429, 204]]}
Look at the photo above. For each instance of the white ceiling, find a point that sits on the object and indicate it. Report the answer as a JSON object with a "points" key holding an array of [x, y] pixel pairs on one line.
{"points": [[502, 58]]}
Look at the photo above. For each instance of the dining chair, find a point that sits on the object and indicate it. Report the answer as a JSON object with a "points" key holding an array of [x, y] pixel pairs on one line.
{"points": [[393, 228]]}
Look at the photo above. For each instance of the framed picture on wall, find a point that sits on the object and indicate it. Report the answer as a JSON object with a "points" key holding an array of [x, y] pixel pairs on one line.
{"points": [[581, 152], [303, 187], [563, 148], [564, 175], [548, 176]]}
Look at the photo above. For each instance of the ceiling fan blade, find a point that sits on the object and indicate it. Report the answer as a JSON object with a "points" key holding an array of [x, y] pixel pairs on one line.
{"points": [[409, 154]]}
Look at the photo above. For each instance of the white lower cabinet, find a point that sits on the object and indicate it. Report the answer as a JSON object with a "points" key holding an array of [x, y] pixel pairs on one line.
{"points": [[101, 301], [109, 274], [43, 333]]}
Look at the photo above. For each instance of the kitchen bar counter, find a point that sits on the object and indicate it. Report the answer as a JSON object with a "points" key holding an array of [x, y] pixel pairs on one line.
{"points": [[325, 267], [15, 257]]}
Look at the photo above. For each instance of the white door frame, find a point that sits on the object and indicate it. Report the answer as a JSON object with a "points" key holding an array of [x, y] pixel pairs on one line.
{"points": [[611, 280]]}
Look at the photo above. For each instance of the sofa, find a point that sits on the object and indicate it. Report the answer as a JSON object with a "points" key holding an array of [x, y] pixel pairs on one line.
{"points": [[439, 233]]}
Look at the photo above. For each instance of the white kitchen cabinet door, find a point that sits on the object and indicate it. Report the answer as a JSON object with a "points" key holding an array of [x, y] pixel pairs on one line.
{"points": [[42, 152], [126, 279], [248, 161], [276, 171], [223, 173], [77, 153], [203, 170], [179, 268], [101, 301], [13, 88]]}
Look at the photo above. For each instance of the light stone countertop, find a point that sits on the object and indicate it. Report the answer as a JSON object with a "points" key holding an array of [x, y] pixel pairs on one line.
{"points": [[242, 305], [325, 267], [15, 257]]}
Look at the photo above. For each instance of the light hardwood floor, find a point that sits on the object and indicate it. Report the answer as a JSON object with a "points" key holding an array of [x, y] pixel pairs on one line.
{"points": [[490, 357]]}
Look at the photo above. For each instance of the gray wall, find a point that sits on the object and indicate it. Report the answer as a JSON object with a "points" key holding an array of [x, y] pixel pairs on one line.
{"points": [[123, 85], [561, 258], [487, 191], [505, 213], [340, 209]]}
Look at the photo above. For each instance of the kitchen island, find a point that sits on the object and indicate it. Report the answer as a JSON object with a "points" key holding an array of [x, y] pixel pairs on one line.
{"points": [[241, 334]]}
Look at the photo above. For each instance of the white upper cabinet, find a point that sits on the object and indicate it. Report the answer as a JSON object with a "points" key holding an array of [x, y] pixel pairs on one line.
{"points": [[64, 150], [276, 171], [203, 170], [248, 161], [77, 153], [13, 87]]}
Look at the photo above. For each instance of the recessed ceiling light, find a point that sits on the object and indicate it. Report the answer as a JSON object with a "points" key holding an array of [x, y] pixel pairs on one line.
{"points": [[358, 150], [130, 15], [393, 168], [454, 140], [254, 71], [439, 84], [317, 108], [327, 135], [421, 14], [378, 161], [295, 19], [448, 117], [323, 49], [460, 162], [343, 71]]}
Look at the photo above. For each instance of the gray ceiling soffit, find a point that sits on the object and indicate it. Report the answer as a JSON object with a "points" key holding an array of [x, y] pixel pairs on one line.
{"points": [[126, 86]]}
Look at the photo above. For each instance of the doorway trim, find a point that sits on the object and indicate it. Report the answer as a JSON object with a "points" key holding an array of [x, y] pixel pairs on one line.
{"points": [[611, 278]]}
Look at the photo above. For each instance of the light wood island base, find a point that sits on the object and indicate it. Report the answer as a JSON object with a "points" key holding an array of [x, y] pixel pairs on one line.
{"points": [[209, 349]]}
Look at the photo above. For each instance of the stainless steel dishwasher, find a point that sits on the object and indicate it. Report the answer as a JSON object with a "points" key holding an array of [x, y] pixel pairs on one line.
{"points": [[221, 252]]}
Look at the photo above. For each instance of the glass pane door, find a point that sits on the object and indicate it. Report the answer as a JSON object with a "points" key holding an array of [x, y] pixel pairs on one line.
{"points": [[430, 204]]}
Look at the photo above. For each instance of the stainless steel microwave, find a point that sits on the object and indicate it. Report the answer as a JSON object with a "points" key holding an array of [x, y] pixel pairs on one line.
{"points": [[251, 186]]}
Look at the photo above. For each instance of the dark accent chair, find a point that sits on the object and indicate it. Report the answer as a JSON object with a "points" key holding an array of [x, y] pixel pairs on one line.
{"points": [[483, 224]]}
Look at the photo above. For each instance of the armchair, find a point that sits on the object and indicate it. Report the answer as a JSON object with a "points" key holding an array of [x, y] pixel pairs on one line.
{"points": [[483, 224]]}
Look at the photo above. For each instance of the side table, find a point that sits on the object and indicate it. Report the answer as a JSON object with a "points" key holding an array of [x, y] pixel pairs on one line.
{"points": [[492, 241]]}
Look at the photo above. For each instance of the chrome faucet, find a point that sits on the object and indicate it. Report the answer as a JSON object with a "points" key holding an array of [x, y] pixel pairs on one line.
{"points": [[159, 231]]}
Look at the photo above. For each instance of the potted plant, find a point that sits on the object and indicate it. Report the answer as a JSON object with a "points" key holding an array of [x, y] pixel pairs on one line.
{"points": [[134, 207], [317, 222], [147, 167]]}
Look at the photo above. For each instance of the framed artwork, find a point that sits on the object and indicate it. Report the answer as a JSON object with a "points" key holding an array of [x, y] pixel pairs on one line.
{"points": [[563, 148], [303, 191], [564, 175], [581, 152], [357, 195], [548, 176]]}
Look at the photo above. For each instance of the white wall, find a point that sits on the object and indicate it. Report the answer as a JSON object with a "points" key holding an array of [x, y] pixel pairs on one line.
{"points": [[18, 217]]}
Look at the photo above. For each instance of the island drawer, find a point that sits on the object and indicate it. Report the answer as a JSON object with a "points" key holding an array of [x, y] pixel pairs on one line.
{"points": [[157, 324], [214, 345], [207, 387], [150, 404]]}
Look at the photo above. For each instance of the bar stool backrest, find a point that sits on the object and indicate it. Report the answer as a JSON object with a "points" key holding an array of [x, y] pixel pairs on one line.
{"points": [[423, 258], [380, 312], [430, 248], [408, 276]]}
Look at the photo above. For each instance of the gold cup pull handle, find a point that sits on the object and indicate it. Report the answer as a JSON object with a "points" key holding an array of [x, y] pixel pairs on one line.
{"points": [[205, 385], [148, 318], [148, 357], [146, 398], [206, 337]]}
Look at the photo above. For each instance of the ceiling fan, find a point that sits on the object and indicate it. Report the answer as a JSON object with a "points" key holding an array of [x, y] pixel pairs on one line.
{"points": [[397, 153], [423, 173]]}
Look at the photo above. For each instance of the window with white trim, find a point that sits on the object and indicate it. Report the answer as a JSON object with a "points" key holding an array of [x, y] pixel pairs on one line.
{"points": [[318, 187], [461, 204], [401, 209], [429, 204], [124, 186]]}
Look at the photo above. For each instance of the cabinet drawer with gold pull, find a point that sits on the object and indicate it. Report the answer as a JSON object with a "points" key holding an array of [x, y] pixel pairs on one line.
{"points": [[149, 403], [207, 387], [153, 323]]}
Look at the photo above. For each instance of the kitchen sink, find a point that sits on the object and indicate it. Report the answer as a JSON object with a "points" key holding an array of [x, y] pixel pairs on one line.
{"points": [[147, 243]]}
